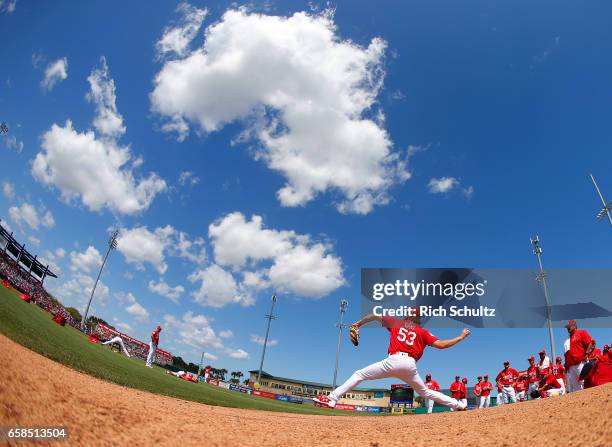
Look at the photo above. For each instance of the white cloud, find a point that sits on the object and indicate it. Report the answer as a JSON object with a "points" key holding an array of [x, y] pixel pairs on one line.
{"points": [[238, 354], [88, 261], [442, 185], [26, 213], [78, 290], [60, 252], [124, 327], [11, 142], [55, 72], [94, 167], [163, 289], [8, 190], [134, 308], [176, 40], [218, 288], [282, 260], [209, 356], [194, 330], [257, 339], [8, 6], [108, 121], [52, 259], [34, 240], [468, 192], [305, 95], [139, 246], [188, 177], [226, 334]]}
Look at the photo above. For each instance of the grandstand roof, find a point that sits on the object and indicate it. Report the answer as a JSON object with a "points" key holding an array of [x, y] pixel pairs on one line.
{"points": [[265, 375], [28, 261]]}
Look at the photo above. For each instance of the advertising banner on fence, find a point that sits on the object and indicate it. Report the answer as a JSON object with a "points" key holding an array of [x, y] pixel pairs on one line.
{"points": [[483, 298], [264, 394], [239, 388]]}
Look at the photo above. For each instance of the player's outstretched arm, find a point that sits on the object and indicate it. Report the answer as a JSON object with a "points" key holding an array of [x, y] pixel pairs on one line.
{"points": [[367, 319], [443, 344]]}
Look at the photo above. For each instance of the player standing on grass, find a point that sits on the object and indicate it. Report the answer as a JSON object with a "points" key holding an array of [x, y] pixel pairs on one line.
{"points": [[153, 346], [407, 341]]}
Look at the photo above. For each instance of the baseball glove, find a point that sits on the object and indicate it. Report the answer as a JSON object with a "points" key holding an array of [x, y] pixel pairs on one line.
{"points": [[535, 394], [354, 334], [586, 369]]}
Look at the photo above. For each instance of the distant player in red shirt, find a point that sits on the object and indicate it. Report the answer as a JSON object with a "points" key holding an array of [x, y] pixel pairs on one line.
{"points": [[545, 364], [207, 374], [533, 376], [520, 386], [478, 389], [153, 346], [506, 379], [550, 385], [558, 371], [434, 386], [407, 341], [485, 395], [184, 375], [464, 392], [578, 347]]}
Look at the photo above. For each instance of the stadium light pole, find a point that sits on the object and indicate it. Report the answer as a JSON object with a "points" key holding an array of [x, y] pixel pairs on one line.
{"points": [[605, 211], [270, 317], [340, 326], [112, 245], [537, 251], [201, 365]]}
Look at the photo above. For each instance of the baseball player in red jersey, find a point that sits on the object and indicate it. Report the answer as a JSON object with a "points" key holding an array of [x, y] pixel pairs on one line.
{"points": [[545, 364], [520, 386], [549, 383], [558, 371], [485, 395], [533, 376], [596, 352], [464, 392], [602, 371], [506, 379], [407, 341], [153, 346], [478, 389], [207, 374], [577, 347], [434, 386]]}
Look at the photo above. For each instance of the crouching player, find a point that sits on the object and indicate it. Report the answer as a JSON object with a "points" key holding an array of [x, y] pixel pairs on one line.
{"points": [[407, 341], [548, 386]]}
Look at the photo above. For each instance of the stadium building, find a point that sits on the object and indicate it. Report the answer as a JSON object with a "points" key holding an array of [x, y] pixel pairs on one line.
{"points": [[375, 397]]}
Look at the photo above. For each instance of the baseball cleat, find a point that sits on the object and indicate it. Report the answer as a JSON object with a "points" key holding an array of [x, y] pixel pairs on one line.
{"points": [[325, 401], [461, 406]]}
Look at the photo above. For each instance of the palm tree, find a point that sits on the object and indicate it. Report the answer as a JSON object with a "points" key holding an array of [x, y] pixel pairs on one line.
{"points": [[222, 373]]}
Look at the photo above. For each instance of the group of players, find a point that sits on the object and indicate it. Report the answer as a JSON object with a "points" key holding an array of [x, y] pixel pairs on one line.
{"points": [[408, 340]]}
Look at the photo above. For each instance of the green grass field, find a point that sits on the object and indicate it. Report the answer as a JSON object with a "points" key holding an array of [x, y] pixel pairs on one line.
{"points": [[33, 328]]}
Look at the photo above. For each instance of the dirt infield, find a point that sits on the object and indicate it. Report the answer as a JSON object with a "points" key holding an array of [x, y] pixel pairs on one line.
{"points": [[102, 413]]}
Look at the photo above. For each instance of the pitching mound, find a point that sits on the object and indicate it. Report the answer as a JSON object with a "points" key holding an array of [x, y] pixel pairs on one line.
{"points": [[37, 391]]}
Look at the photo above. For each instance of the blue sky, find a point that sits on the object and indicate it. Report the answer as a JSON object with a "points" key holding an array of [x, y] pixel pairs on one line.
{"points": [[386, 134]]}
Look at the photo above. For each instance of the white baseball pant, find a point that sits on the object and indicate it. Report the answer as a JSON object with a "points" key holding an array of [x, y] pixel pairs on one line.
{"points": [[500, 398], [484, 401], [119, 341], [400, 366], [151, 356], [429, 403], [520, 396], [573, 373], [509, 395], [533, 386], [560, 381], [555, 392]]}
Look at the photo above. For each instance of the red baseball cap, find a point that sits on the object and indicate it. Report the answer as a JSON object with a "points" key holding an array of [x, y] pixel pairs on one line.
{"points": [[456, 377], [531, 358], [486, 376], [558, 357], [507, 362], [543, 351], [464, 379], [428, 376], [479, 377], [571, 323], [606, 347]]}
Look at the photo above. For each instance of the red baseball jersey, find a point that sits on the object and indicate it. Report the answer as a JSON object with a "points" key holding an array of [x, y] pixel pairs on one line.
{"points": [[155, 336], [602, 373], [558, 371], [579, 341], [507, 376], [521, 385], [455, 390], [533, 374], [463, 391], [544, 369], [433, 385], [551, 381], [478, 389], [486, 388], [595, 353], [405, 336]]}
